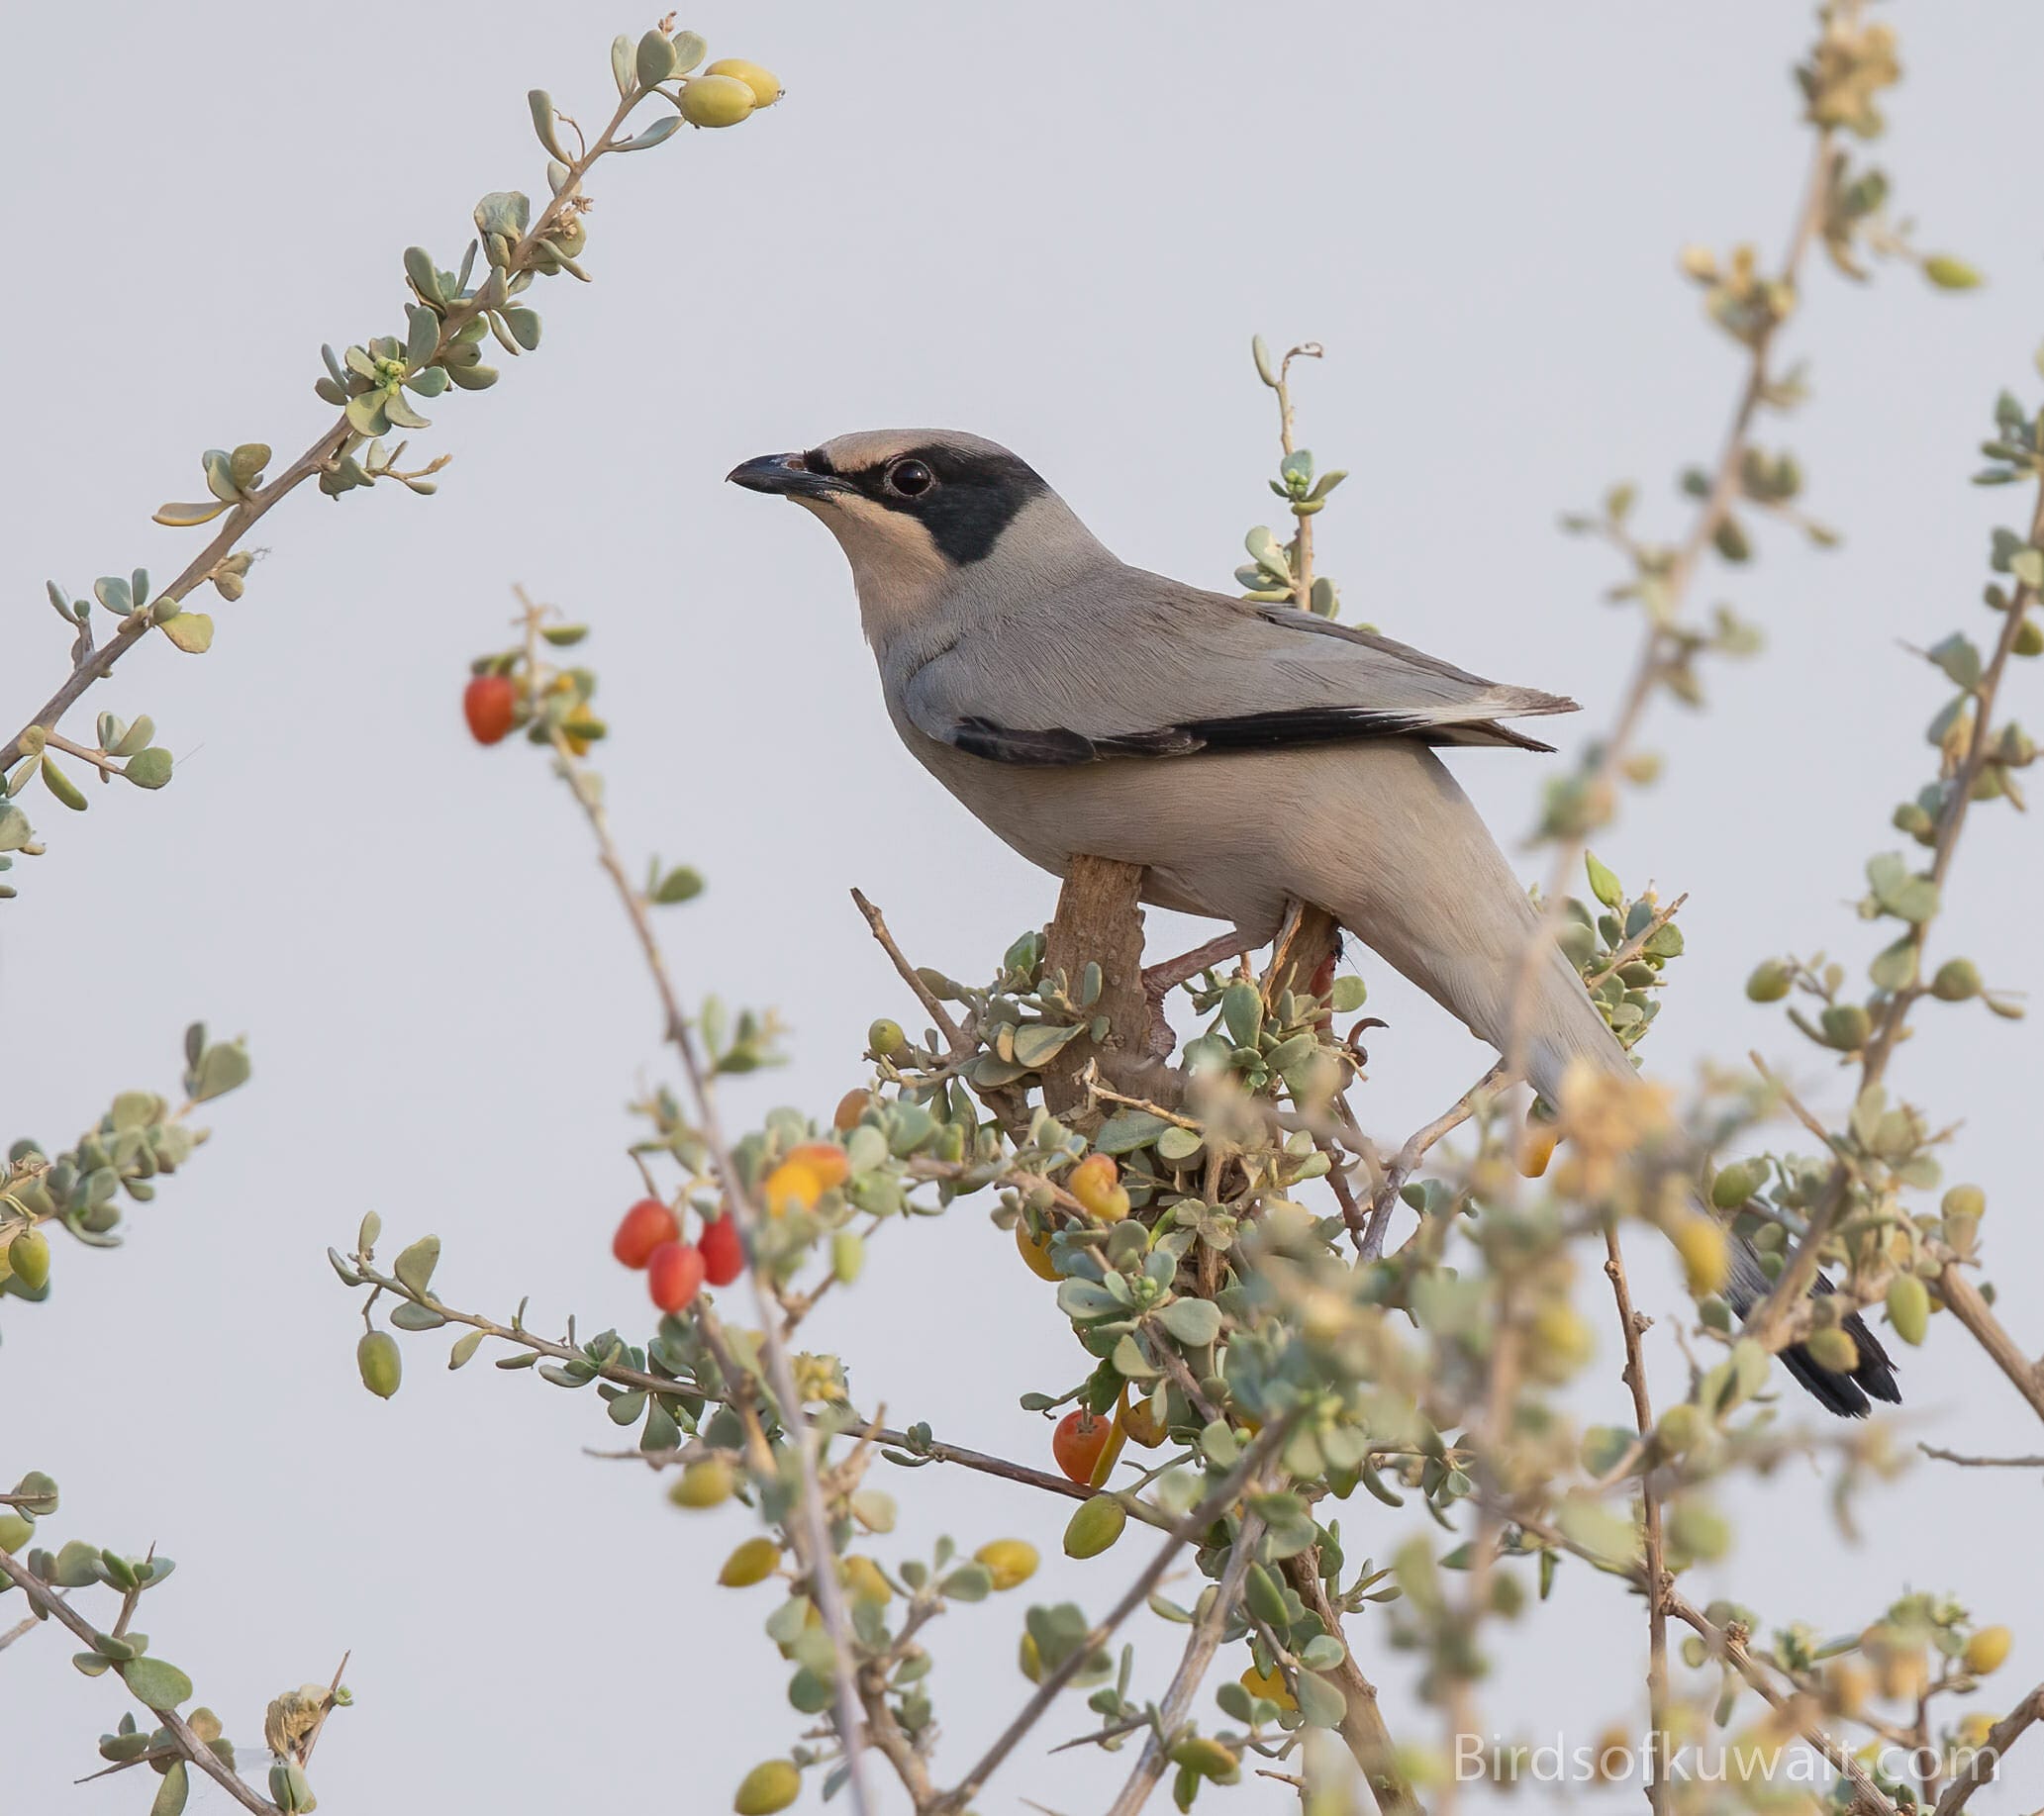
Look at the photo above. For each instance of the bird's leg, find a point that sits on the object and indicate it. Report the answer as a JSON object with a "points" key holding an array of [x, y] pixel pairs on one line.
{"points": [[1159, 981]]}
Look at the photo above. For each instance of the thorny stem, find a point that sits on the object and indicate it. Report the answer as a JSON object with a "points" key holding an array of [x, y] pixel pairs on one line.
{"points": [[1986, 1760], [48, 1603], [1770, 1321], [623, 1375], [91, 665], [1302, 541], [1507, 1347], [1362, 1722], [1729, 1643], [1191, 1527], [1649, 664], [1631, 1324], [1191, 1670], [814, 1527], [1383, 1200], [1982, 1463]]}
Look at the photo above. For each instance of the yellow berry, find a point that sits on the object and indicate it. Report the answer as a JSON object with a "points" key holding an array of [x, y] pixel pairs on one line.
{"points": [[1562, 1341], [1035, 1251], [863, 1580], [1271, 1689], [753, 1562], [1143, 1425], [1987, 1649], [716, 100], [1011, 1562], [825, 1158], [1536, 1149], [765, 84], [1975, 1729], [705, 1482], [1701, 1242], [792, 1187], [767, 1788]]}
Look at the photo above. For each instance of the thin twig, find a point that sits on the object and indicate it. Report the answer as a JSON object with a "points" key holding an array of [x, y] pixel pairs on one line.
{"points": [[1191, 1527], [1649, 665], [95, 665], [1362, 1721], [1383, 1200], [954, 1035], [1200, 1649], [815, 1528], [1632, 1326], [1982, 1463], [27, 1625], [1769, 1319], [43, 1596], [1987, 1761], [1728, 1643], [1634, 947]]}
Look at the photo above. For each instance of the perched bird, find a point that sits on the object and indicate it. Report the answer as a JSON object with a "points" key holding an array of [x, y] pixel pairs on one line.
{"points": [[1246, 754]]}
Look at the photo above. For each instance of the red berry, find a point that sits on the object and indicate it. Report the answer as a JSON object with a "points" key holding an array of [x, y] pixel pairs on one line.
{"points": [[646, 1225], [723, 1253], [491, 703], [673, 1275], [1078, 1442]]}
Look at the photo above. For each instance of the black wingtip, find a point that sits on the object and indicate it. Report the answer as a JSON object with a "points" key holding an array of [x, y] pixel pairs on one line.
{"points": [[1875, 1372], [1847, 1395]]}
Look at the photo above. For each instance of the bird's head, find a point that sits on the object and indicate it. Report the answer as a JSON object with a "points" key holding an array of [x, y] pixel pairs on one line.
{"points": [[923, 515]]}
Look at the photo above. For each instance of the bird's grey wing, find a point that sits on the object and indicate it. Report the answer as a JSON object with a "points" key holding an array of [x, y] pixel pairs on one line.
{"points": [[1132, 664]]}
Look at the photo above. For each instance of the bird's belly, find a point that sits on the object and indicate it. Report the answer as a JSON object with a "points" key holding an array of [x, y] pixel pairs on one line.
{"points": [[1158, 814]]}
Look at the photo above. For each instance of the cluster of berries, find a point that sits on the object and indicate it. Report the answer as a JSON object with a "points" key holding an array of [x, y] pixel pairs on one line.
{"points": [[650, 1237]]}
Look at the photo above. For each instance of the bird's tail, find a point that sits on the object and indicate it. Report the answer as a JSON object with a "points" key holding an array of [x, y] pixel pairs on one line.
{"points": [[1565, 1025], [1474, 969]]}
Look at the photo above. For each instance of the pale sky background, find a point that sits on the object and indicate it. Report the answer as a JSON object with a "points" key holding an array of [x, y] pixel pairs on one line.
{"points": [[1057, 225]]}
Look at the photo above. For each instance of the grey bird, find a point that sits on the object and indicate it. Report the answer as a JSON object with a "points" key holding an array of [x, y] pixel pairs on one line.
{"points": [[1246, 754]]}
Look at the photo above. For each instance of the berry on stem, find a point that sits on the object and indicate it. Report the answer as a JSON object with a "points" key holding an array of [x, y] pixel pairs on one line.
{"points": [[674, 1273], [641, 1231], [490, 703], [724, 1252], [1078, 1442]]}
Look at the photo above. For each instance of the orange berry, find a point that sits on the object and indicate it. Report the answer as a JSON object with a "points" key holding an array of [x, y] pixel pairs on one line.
{"points": [[724, 1251], [490, 703], [642, 1229], [674, 1275], [1078, 1442], [850, 1108], [825, 1158], [1036, 1251], [1096, 1182]]}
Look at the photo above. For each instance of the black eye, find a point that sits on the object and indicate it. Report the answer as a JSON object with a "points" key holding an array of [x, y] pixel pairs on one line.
{"points": [[910, 479]]}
